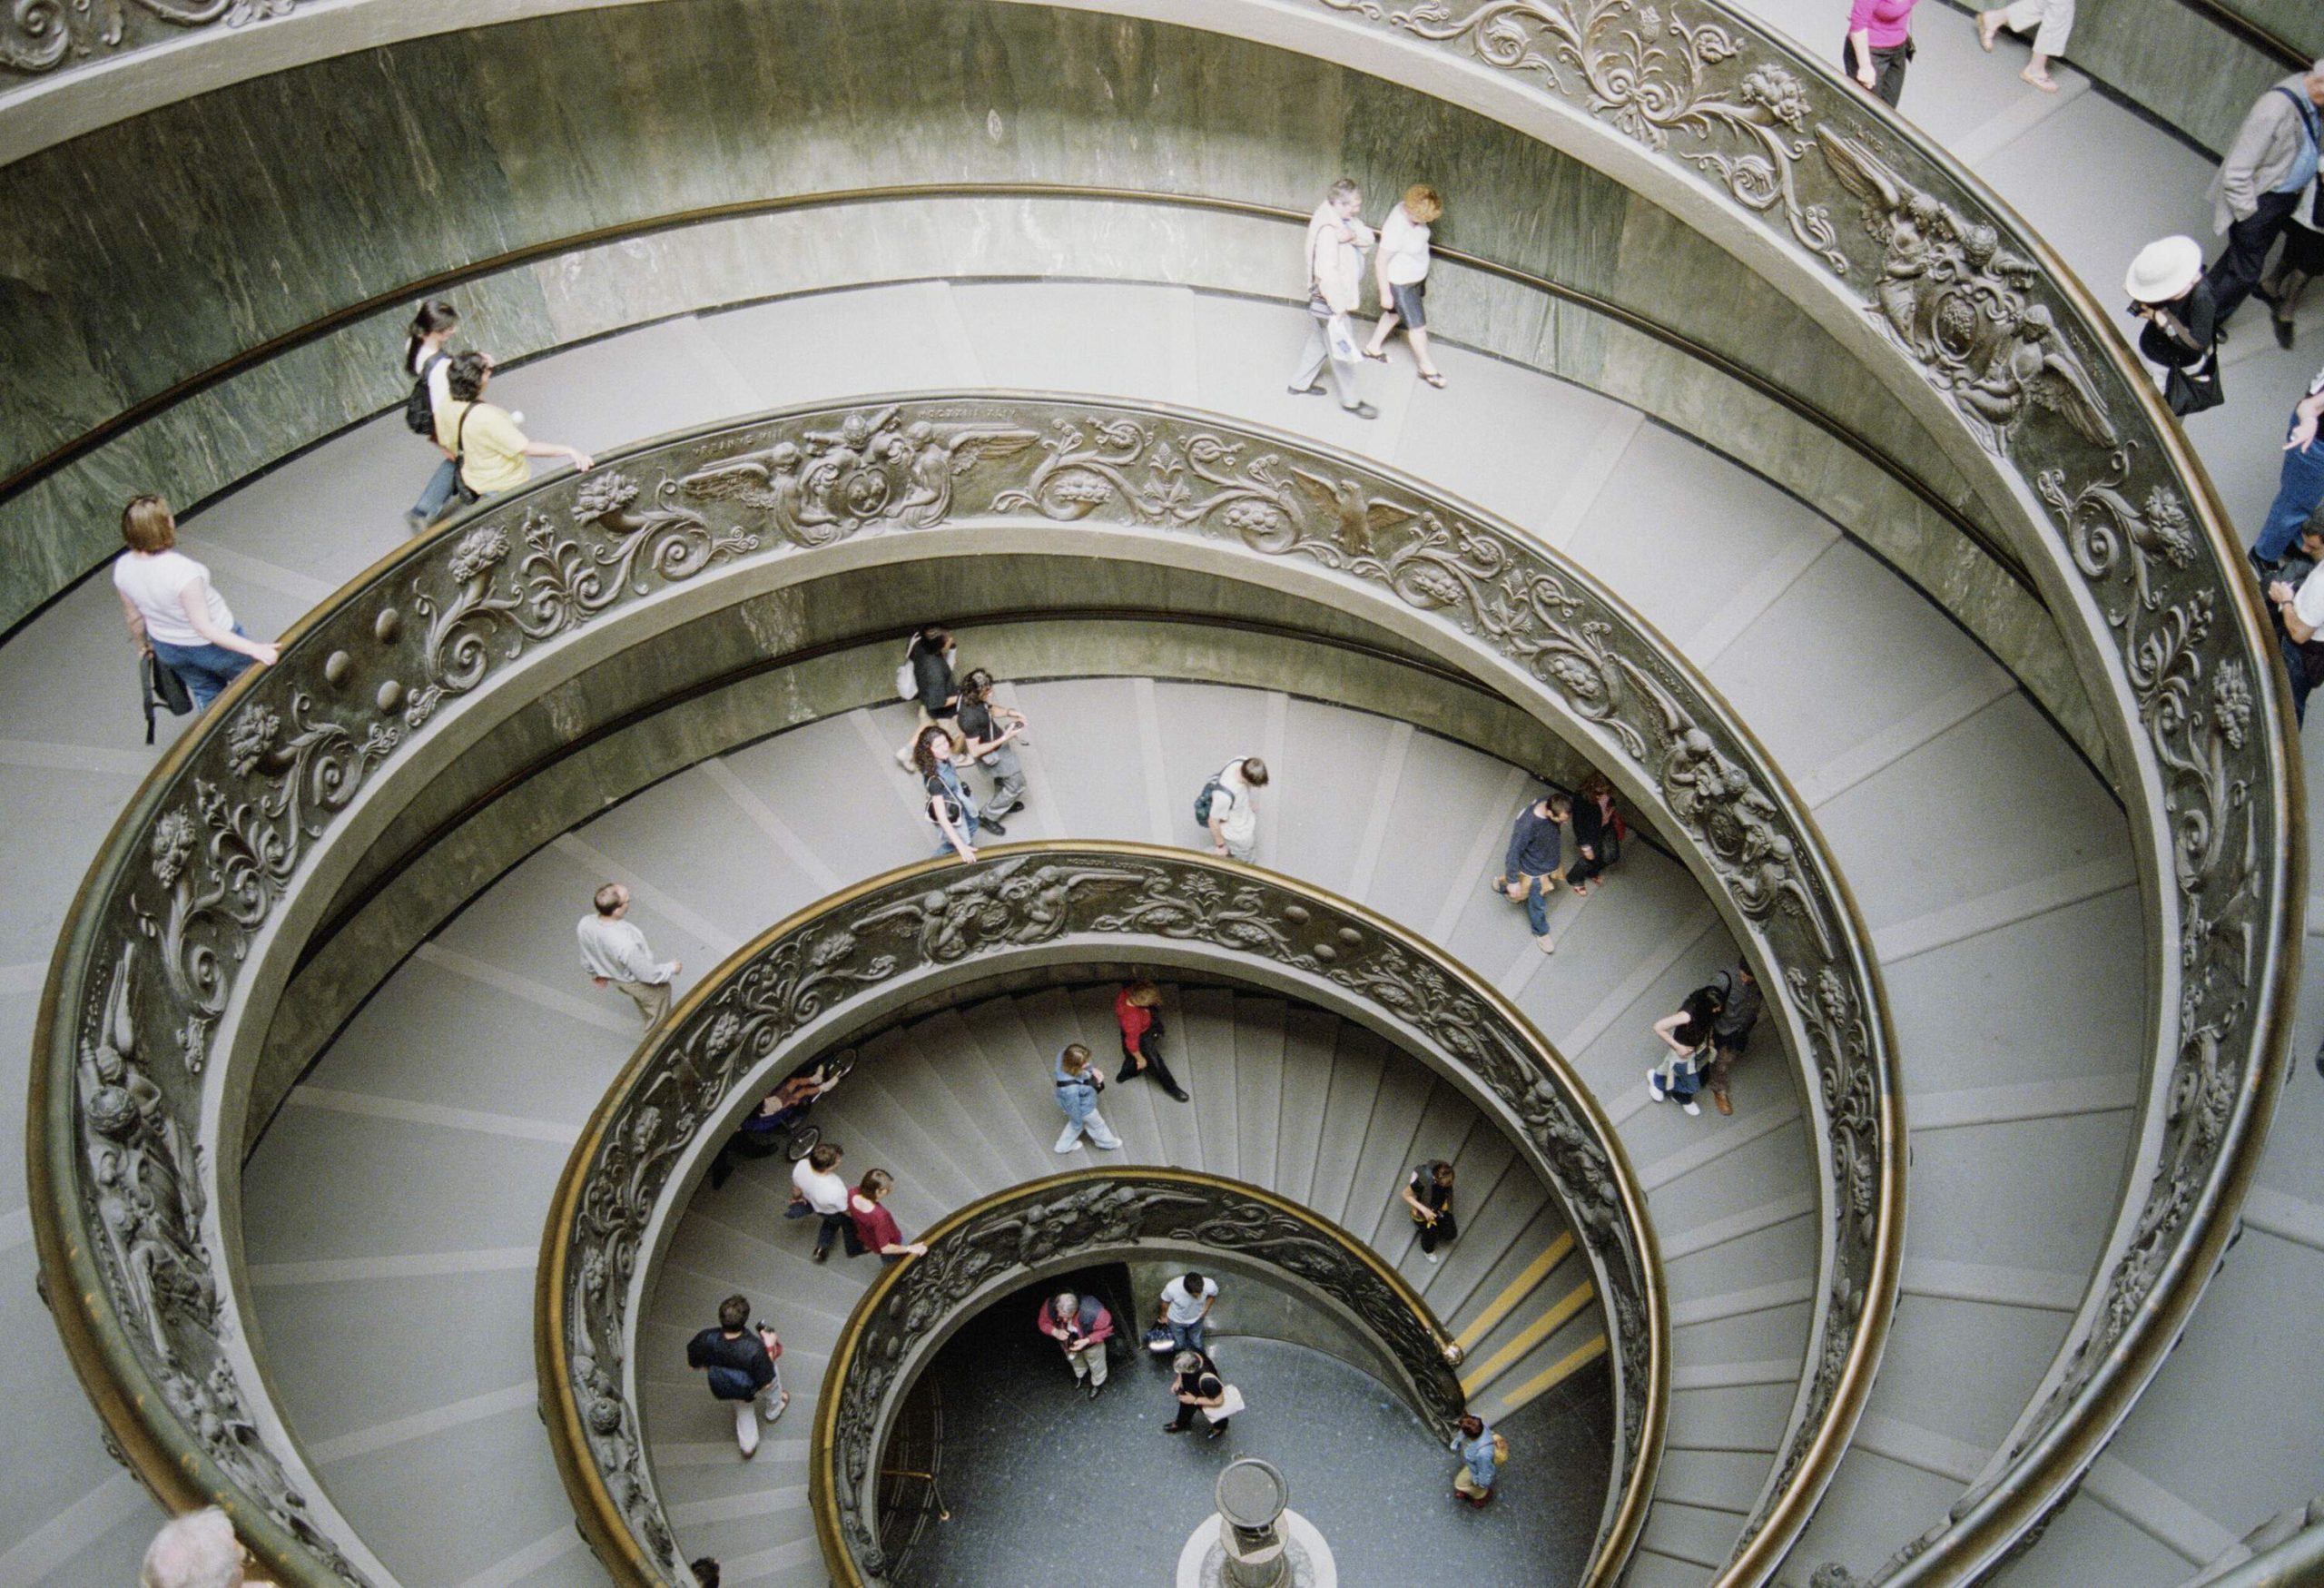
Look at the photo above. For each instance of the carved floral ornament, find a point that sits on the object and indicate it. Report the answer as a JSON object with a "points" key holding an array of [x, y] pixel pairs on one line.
{"points": [[223, 830], [946, 918], [40, 35], [2058, 403]]}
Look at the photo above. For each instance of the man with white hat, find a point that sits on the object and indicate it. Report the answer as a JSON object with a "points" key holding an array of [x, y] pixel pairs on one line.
{"points": [[2268, 167], [2169, 292]]}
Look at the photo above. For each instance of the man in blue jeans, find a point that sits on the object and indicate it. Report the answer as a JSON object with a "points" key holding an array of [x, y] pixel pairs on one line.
{"points": [[1536, 856], [2301, 486]]}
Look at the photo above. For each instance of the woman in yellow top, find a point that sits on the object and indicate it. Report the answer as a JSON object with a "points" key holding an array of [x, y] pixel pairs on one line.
{"points": [[492, 450]]}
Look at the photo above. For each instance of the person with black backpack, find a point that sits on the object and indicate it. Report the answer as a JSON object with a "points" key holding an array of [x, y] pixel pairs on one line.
{"points": [[431, 368], [1739, 1003], [740, 1363]]}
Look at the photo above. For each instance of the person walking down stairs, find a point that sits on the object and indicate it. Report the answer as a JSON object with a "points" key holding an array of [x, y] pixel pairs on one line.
{"points": [[739, 1361], [1536, 858], [1429, 1193], [615, 954], [1482, 1451], [1739, 1002], [875, 1227], [1079, 1083], [817, 1190], [1081, 1325], [1138, 1007], [1688, 1034], [1227, 808]]}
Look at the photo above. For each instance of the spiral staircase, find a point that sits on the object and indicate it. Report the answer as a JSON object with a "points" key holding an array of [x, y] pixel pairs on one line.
{"points": [[393, 1208]]}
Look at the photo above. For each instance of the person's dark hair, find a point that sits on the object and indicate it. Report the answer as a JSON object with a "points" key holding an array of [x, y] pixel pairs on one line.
{"points": [[1595, 786], [923, 749], [706, 1571], [1193, 1282], [1342, 188], [1701, 1005], [932, 634], [607, 899], [1443, 1174], [1743, 968], [146, 524], [734, 1313], [1255, 771], [974, 686], [1560, 806], [824, 1158], [465, 377], [436, 314], [1472, 1425], [875, 1184], [2315, 524]]}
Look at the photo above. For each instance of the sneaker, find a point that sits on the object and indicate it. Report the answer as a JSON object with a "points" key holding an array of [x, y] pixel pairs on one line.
{"points": [[1431, 1257], [416, 522], [1314, 391], [1546, 943], [1654, 1087], [1363, 411], [822, 1252], [774, 1413], [1693, 1108], [903, 759], [1216, 1430]]}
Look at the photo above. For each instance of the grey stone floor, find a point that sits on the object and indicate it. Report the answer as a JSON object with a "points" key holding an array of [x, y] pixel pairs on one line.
{"points": [[1046, 1488]]}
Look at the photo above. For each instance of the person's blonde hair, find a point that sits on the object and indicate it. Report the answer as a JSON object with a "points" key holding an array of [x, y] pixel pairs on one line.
{"points": [[1075, 1059], [146, 524], [197, 1550], [1423, 203], [1144, 995]]}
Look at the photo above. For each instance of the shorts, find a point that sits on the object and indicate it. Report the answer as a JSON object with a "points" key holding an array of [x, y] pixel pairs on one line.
{"points": [[1405, 298]]}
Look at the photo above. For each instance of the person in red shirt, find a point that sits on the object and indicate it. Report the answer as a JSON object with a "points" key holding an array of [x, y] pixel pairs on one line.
{"points": [[1138, 1008], [875, 1227]]}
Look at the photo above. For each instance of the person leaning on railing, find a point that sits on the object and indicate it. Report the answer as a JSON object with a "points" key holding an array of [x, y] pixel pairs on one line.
{"points": [[174, 612], [2268, 167], [494, 455]]}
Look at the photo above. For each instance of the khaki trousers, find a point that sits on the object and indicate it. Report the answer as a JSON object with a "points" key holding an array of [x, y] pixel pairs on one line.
{"points": [[652, 997]]}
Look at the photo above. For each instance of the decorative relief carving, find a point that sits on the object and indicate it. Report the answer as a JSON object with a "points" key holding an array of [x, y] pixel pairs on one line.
{"points": [[227, 837], [40, 35], [1007, 905], [1663, 81]]}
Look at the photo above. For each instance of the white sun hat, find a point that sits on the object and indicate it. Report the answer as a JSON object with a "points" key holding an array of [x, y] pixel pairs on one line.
{"points": [[2165, 270]]}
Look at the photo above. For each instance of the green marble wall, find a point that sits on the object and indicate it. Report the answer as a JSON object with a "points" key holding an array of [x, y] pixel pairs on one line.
{"points": [[149, 252], [2141, 49]]}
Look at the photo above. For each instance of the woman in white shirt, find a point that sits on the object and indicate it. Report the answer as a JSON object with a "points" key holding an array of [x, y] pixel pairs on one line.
{"points": [[1402, 266], [172, 610], [424, 356]]}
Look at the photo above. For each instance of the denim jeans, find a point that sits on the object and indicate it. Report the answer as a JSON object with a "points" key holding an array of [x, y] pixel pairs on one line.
{"points": [[968, 831], [1537, 905], [2298, 490], [1187, 1336], [438, 494], [207, 669]]}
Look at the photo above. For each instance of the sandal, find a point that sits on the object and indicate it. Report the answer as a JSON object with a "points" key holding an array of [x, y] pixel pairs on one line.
{"points": [[1436, 378], [1376, 358], [2044, 81]]}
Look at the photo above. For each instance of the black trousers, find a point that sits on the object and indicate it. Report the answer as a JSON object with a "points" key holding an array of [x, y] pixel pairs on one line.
{"points": [[838, 1224], [1432, 1235], [1152, 1050], [1887, 68], [2238, 270]]}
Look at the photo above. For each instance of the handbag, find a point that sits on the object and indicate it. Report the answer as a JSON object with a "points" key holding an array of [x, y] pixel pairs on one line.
{"points": [[164, 689], [1340, 331], [1230, 1402], [1161, 1342], [2195, 391], [1500, 1451]]}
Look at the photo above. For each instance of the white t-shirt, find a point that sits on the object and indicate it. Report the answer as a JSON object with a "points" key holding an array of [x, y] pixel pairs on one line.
{"points": [[825, 1193], [2308, 601], [1404, 248], [1185, 1308], [156, 582], [1237, 818]]}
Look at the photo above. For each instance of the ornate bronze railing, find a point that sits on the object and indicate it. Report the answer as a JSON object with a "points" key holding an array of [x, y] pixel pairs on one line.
{"points": [[1014, 1237], [146, 1039], [2003, 341], [827, 974]]}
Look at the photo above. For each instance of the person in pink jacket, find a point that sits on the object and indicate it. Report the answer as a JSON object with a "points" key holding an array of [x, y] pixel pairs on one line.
{"points": [[1879, 46], [1081, 1325]]}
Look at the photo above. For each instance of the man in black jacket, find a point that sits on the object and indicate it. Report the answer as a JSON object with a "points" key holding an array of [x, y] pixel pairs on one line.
{"points": [[740, 1363], [937, 698], [1529, 872], [1739, 1002]]}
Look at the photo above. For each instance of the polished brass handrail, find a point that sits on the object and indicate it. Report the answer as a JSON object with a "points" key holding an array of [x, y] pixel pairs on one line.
{"points": [[940, 927]]}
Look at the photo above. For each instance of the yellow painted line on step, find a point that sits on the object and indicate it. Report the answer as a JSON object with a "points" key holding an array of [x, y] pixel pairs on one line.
{"points": [[1549, 1378], [1518, 1289], [1529, 1336]]}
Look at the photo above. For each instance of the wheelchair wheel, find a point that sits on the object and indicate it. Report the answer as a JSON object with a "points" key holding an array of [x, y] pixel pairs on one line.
{"points": [[803, 1143]]}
